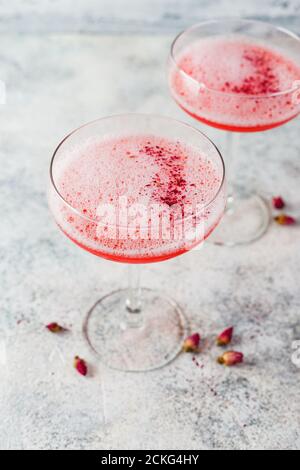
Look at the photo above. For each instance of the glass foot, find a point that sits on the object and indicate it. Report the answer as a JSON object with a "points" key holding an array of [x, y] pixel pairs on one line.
{"points": [[136, 342], [245, 221]]}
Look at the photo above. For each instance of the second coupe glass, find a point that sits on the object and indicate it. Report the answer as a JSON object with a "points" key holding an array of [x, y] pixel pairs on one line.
{"points": [[239, 76]]}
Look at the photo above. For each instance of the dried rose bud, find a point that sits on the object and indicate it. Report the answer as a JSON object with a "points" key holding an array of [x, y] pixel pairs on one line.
{"points": [[231, 358], [80, 366], [278, 203], [225, 337], [191, 344], [55, 328], [284, 219]]}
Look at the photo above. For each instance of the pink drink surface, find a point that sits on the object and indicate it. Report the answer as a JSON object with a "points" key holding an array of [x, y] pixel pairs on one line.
{"points": [[239, 78], [140, 173]]}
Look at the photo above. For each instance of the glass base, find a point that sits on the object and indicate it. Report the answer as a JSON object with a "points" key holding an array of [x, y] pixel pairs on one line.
{"points": [[245, 221], [136, 341]]}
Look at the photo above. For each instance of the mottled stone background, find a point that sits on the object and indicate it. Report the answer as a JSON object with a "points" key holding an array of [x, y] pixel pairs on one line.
{"points": [[56, 79], [140, 16]]}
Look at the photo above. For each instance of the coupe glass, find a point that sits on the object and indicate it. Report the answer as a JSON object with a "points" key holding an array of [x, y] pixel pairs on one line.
{"points": [[136, 329], [236, 109]]}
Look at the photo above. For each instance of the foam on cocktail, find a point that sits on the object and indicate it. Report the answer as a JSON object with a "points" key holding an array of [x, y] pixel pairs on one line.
{"points": [[239, 77], [137, 198]]}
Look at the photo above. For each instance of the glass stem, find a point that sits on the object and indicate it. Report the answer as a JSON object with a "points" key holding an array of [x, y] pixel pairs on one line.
{"points": [[134, 317], [233, 140]]}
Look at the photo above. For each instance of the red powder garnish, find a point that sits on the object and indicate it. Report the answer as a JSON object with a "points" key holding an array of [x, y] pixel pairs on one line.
{"points": [[197, 364], [201, 366], [172, 191], [262, 81]]}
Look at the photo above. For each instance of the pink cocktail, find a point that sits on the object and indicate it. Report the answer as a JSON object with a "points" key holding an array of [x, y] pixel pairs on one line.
{"points": [[238, 76], [136, 189]]}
